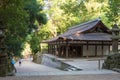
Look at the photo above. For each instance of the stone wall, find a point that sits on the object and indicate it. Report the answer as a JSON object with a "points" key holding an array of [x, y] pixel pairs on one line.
{"points": [[53, 61], [112, 61]]}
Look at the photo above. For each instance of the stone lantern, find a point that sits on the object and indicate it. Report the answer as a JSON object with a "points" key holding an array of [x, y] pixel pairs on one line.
{"points": [[115, 38], [112, 62]]}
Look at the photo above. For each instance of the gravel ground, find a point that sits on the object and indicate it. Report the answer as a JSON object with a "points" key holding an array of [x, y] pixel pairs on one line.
{"points": [[75, 77]]}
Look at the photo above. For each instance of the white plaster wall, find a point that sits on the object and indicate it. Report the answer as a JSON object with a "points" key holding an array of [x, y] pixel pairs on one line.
{"points": [[90, 52], [99, 50], [118, 47], [111, 48], [84, 50], [106, 50]]}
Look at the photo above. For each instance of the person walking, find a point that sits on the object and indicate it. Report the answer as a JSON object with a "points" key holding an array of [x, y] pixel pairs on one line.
{"points": [[13, 65], [20, 62]]}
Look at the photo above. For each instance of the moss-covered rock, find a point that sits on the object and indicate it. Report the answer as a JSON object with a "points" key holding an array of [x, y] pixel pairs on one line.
{"points": [[112, 61]]}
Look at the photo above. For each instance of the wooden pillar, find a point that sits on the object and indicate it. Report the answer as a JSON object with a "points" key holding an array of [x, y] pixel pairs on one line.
{"points": [[52, 48], [109, 49], [48, 48], [87, 49], [67, 48], [59, 54], [62, 50], [95, 50], [102, 47], [57, 49], [76, 52]]}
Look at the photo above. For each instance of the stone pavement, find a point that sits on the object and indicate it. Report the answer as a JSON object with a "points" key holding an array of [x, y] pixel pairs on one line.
{"points": [[86, 63], [29, 68], [31, 71]]}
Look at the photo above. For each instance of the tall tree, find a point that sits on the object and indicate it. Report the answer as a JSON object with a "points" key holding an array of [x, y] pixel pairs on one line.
{"points": [[58, 22], [113, 12], [13, 16], [83, 10], [20, 18], [66, 13], [36, 19]]}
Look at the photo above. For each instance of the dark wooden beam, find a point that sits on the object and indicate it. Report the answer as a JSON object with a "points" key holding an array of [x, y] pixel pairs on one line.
{"points": [[67, 48], [102, 47], [95, 50], [109, 49], [48, 48]]}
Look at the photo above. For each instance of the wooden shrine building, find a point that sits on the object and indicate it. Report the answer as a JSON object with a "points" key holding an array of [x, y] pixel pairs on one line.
{"points": [[91, 38]]}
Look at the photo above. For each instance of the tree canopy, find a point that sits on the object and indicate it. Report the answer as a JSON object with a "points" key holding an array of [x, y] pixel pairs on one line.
{"points": [[19, 18], [36, 19], [13, 17], [26, 20], [66, 13], [113, 11]]}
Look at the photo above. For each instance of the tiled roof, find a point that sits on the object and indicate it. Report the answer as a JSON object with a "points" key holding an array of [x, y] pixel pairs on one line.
{"points": [[82, 32], [90, 37]]}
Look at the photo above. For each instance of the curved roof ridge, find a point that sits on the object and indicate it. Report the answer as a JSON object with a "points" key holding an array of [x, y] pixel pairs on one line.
{"points": [[90, 21], [82, 32], [82, 27]]}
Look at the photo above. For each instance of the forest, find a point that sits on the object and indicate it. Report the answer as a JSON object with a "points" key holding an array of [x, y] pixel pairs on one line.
{"points": [[29, 22]]}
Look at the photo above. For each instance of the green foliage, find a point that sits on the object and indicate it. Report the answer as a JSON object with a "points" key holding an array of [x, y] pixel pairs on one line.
{"points": [[36, 19], [13, 18], [76, 7], [83, 10], [26, 20], [66, 13], [113, 12], [20, 18], [41, 18], [35, 43], [34, 11], [44, 33]]}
